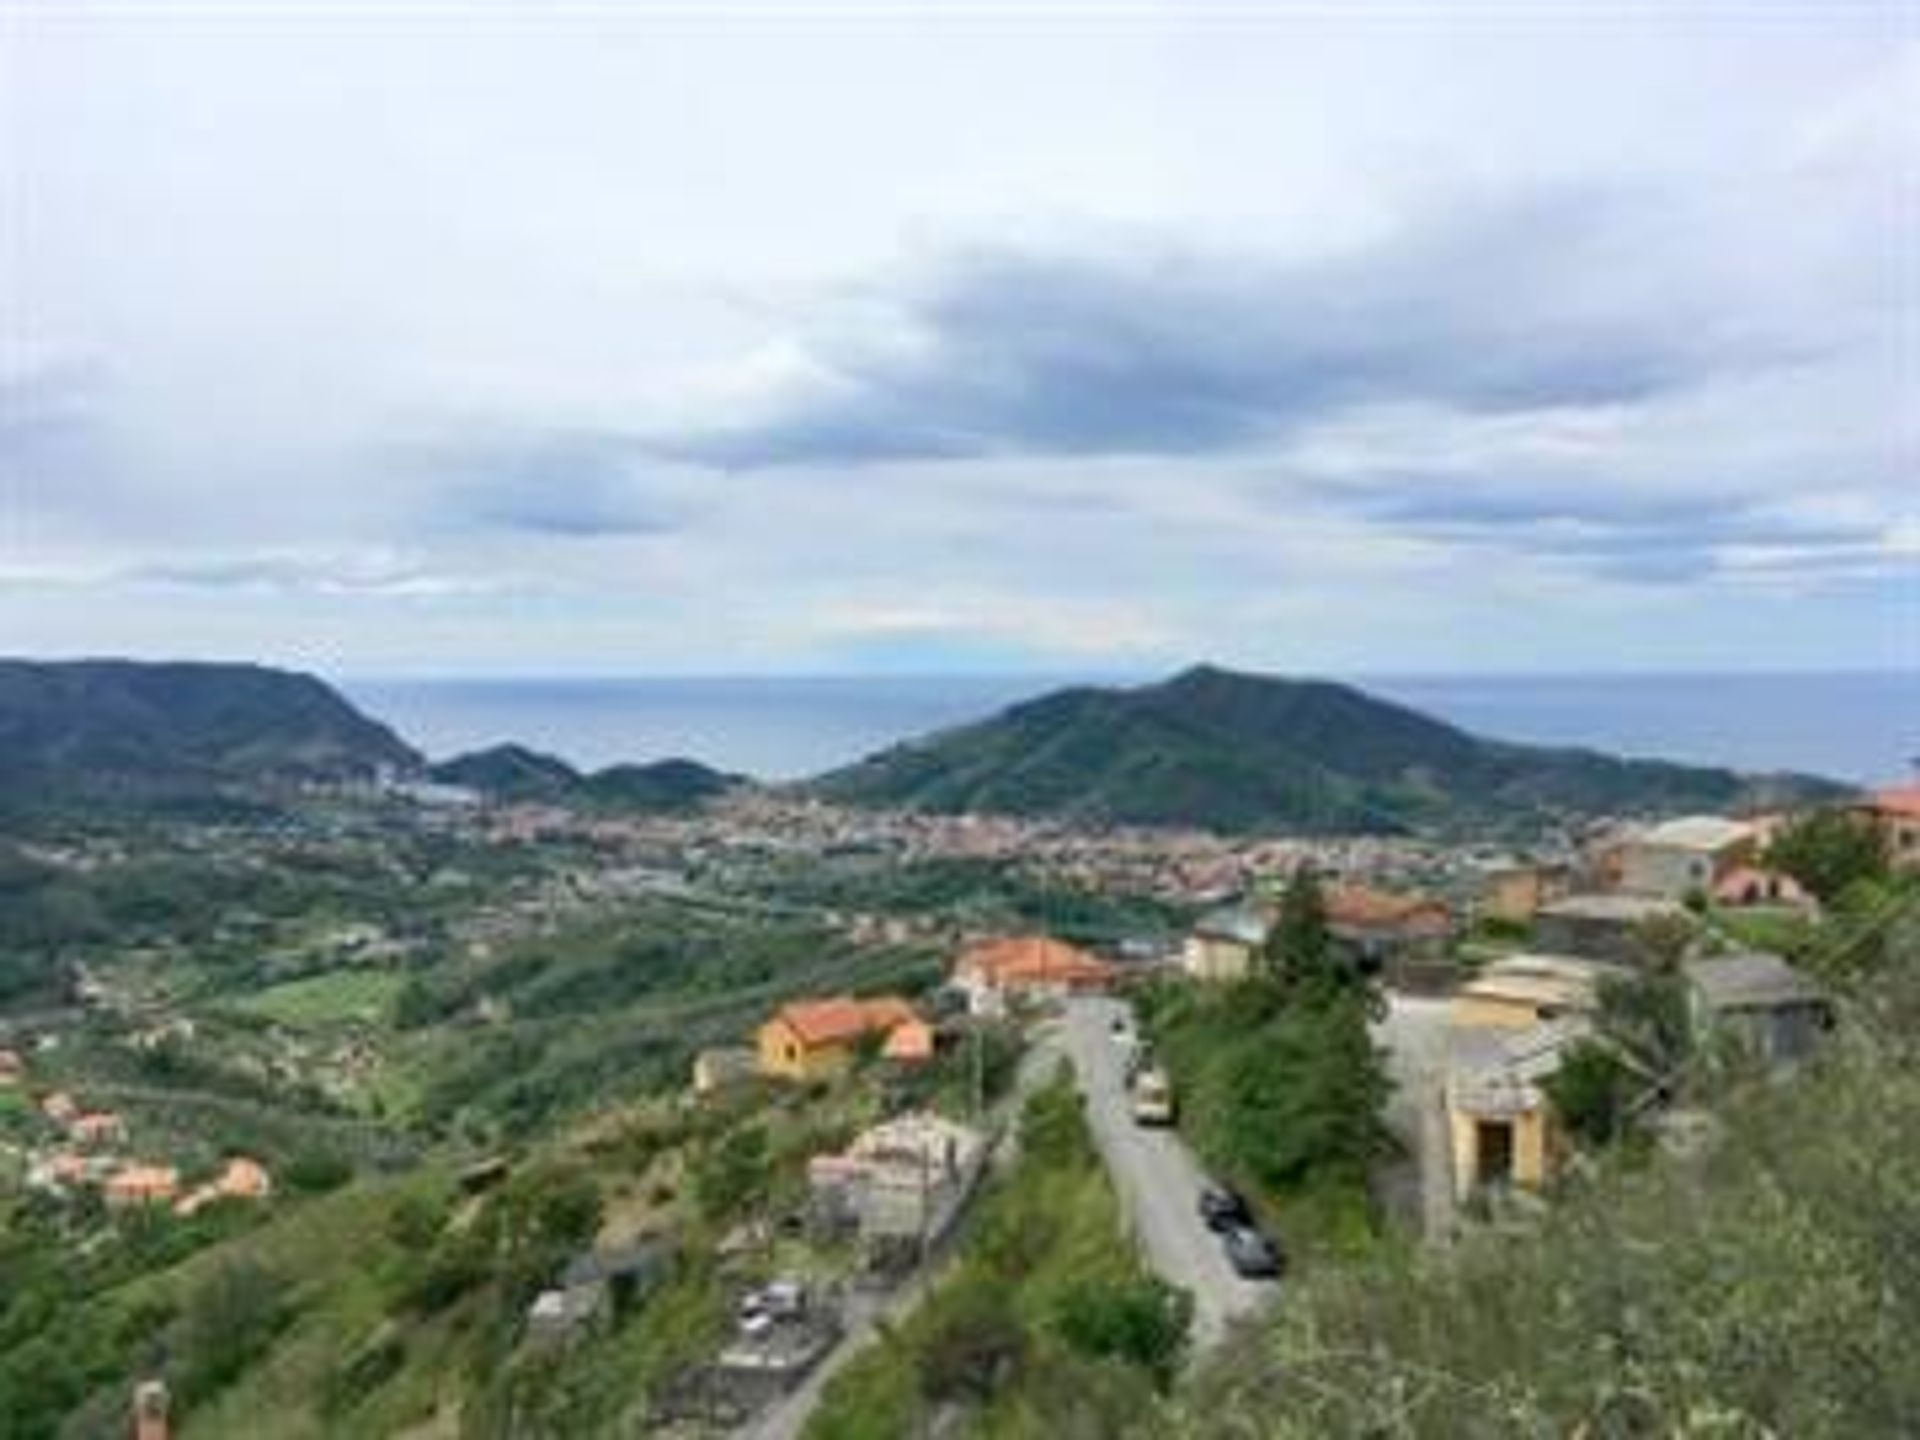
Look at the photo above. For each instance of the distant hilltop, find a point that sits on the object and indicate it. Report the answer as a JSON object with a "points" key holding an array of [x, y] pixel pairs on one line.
{"points": [[1225, 750], [138, 728], [1209, 749], [134, 731], [513, 772]]}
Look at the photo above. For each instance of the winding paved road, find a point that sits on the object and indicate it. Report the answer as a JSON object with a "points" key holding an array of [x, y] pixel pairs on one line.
{"points": [[1156, 1177]]}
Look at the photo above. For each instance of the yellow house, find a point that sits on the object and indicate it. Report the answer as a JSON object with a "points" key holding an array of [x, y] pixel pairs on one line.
{"points": [[815, 1039], [1500, 1123]]}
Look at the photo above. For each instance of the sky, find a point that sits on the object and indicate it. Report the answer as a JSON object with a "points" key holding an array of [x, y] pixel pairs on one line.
{"points": [[566, 338]]}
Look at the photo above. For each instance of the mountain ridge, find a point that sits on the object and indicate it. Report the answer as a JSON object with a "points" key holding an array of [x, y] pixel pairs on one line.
{"points": [[149, 726], [1227, 750]]}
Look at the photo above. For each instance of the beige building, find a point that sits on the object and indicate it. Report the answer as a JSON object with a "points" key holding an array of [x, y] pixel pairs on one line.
{"points": [[1516, 890], [1679, 858], [1517, 991], [1508, 1030], [1225, 943], [1896, 811], [1501, 1126]]}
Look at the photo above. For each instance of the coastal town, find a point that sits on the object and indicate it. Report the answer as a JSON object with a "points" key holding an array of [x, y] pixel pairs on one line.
{"points": [[1493, 965]]}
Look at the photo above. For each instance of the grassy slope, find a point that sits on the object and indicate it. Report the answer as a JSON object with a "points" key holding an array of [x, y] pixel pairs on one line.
{"points": [[338, 997]]}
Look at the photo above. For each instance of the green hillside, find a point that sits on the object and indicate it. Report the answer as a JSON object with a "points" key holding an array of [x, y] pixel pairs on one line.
{"points": [[122, 726], [1235, 752], [514, 772]]}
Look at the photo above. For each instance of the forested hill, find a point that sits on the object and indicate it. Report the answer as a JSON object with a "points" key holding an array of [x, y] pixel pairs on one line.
{"points": [[513, 772], [1230, 751], [91, 725]]}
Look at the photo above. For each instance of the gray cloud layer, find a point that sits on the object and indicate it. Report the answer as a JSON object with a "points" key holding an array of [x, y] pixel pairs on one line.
{"points": [[1157, 351]]}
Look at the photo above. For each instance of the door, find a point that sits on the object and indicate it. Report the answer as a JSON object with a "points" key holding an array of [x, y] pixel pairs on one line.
{"points": [[1495, 1146]]}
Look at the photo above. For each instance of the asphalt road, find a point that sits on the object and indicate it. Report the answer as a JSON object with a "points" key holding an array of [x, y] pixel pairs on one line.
{"points": [[1157, 1179]]}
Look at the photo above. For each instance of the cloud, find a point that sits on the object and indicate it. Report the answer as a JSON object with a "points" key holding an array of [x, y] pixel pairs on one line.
{"points": [[1155, 349], [549, 482], [356, 573]]}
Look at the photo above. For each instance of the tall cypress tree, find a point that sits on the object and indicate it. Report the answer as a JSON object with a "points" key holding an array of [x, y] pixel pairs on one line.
{"points": [[1300, 947]]}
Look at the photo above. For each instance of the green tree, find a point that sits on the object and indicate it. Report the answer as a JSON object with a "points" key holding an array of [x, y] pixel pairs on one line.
{"points": [[228, 1322], [1828, 851], [316, 1171], [1591, 1092], [730, 1176], [1140, 1319], [1300, 948], [974, 1343], [1646, 1017], [1664, 940]]}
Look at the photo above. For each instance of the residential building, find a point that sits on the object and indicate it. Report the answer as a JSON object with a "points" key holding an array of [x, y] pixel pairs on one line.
{"points": [[1519, 991], [1751, 886], [1759, 1003], [723, 1067], [98, 1128], [243, 1179], [151, 1402], [1896, 811], [814, 1039], [1226, 942], [1389, 932], [59, 1107], [142, 1185], [898, 1179], [1600, 927], [1678, 858], [594, 1286], [995, 975], [1501, 1125], [12, 1068], [1515, 891]]}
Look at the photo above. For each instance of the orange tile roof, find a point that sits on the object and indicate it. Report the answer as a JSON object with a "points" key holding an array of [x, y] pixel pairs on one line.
{"points": [[143, 1182], [1031, 960], [1903, 800], [245, 1177], [842, 1019], [911, 1041], [1360, 905]]}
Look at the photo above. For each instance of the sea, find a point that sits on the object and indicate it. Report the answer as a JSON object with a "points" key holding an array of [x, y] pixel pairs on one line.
{"points": [[1857, 727]]}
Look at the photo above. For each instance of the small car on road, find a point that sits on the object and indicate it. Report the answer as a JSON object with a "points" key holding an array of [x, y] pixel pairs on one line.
{"points": [[1252, 1255], [1223, 1207]]}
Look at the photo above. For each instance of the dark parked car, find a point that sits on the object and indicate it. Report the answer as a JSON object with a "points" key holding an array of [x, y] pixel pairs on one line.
{"points": [[1222, 1207], [1251, 1254]]}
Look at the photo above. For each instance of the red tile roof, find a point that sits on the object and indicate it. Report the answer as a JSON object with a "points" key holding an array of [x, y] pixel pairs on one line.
{"points": [[1359, 905], [1032, 960], [910, 1041], [842, 1019], [1902, 800]]}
